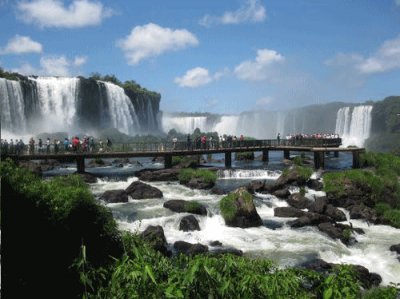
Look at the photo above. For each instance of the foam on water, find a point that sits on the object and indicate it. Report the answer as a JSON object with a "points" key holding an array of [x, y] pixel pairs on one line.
{"points": [[248, 174]]}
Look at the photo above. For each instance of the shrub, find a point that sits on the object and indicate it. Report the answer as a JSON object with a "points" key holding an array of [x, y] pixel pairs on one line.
{"points": [[192, 206], [298, 161], [228, 204], [186, 174]]}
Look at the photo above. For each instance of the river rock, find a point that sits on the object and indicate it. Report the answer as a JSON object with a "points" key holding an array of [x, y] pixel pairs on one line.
{"points": [[97, 163], [190, 249], [160, 175], [281, 193], [114, 196], [319, 205], [140, 190], [199, 183], [298, 201], [309, 219], [395, 248], [288, 212], [183, 206], [315, 184], [189, 223], [217, 190], [363, 212], [215, 243], [335, 213], [226, 250], [154, 236], [238, 209], [87, 177], [255, 186]]}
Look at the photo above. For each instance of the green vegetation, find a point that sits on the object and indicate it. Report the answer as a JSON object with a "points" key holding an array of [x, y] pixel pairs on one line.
{"points": [[298, 161], [192, 206], [379, 183], [228, 204], [249, 156], [9, 76], [389, 292], [303, 171], [302, 191], [186, 174], [342, 283]]}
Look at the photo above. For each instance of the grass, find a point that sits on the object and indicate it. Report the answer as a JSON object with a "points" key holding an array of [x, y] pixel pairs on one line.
{"points": [[186, 174], [228, 204], [192, 206]]}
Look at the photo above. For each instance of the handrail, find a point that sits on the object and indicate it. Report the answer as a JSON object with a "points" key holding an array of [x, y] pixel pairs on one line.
{"points": [[179, 146]]}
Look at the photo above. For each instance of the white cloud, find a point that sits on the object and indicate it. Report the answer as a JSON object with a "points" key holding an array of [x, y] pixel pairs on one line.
{"points": [[80, 60], [198, 76], [251, 12], [21, 45], [52, 66], [260, 68], [264, 101], [386, 58], [53, 13], [152, 40]]}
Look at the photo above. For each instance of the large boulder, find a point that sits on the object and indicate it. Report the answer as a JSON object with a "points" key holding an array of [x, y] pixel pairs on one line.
{"points": [[160, 175], [238, 209], [199, 183], [395, 248], [288, 212], [87, 177], [335, 213], [226, 250], [340, 231], [190, 249], [309, 219], [114, 196], [154, 236], [189, 223], [363, 212], [255, 186], [140, 190], [281, 193], [319, 205], [183, 206], [298, 201], [315, 184]]}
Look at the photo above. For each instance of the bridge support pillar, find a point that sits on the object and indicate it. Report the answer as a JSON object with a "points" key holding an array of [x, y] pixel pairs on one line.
{"points": [[356, 159], [265, 155], [319, 160], [80, 164], [228, 159], [286, 154], [336, 154], [167, 161]]}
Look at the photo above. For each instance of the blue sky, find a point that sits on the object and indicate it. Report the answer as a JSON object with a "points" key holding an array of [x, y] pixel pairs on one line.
{"points": [[224, 56]]}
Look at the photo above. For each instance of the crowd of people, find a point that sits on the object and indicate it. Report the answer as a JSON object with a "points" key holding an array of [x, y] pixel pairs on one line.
{"points": [[74, 144], [204, 142]]}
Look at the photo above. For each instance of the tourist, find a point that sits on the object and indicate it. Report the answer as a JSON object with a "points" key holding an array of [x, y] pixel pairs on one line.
{"points": [[211, 144], [55, 145], [109, 144], [91, 145], [31, 146], [20, 147], [48, 145], [40, 143], [189, 142], [241, 138], [11, 147], [278, 138], [174, 141], [66, 144]]}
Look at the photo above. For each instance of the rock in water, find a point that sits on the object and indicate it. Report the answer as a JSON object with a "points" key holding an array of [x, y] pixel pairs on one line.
{"points": [[114, 196], [238, 209], [189, 223], [190, 249], [183, 206], [139, 190], [298, 201], [154, 236]]}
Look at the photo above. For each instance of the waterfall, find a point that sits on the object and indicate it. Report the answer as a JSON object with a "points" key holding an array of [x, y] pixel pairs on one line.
{"points": [[184, 124], [58, 104], [354, 127], [12, 106], [227, 125], [121, 110], [248, 174]]}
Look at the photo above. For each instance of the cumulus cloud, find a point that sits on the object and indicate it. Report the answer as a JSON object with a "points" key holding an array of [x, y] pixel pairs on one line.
{"points": [[251, 11], [386, 58], [53, 65], [260, 68], [197, 76], [21, 45], [152, 40], [53, 13]]}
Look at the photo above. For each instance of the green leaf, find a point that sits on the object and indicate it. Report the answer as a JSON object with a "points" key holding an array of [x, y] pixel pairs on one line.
{"points": [[328, 293], [149, 271]]}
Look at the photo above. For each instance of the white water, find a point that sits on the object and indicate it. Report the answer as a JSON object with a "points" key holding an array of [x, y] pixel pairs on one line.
{"points": [[184, 124], [355, 128], [122, 112], [286, 246], [227, 125], [248, 174], [11, 105]]}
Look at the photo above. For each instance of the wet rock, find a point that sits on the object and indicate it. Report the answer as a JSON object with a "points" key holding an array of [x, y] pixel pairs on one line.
{"points": [[319, 205], [367, 279], [87, 177], [335, 213], [288, 212], [140, 190], [216, 190], [238, 209], [309, 219], [256, 186], [190, 249], [199, 183], [97, 163], [363, 212], [183, 206], [271, 224], [160, 175], [331, 230], [189, 223], [282, 193], [114, 196], [395, 248], [226, 250], [154, 236], [215, 243], [298, 201], [315, 184]]}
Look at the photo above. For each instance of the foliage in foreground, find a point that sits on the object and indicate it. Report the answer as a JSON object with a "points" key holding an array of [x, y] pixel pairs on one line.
{"points": [[186, 174]]}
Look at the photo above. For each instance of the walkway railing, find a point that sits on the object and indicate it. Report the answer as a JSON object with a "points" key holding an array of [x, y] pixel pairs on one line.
{"points": [[176, 146]]}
